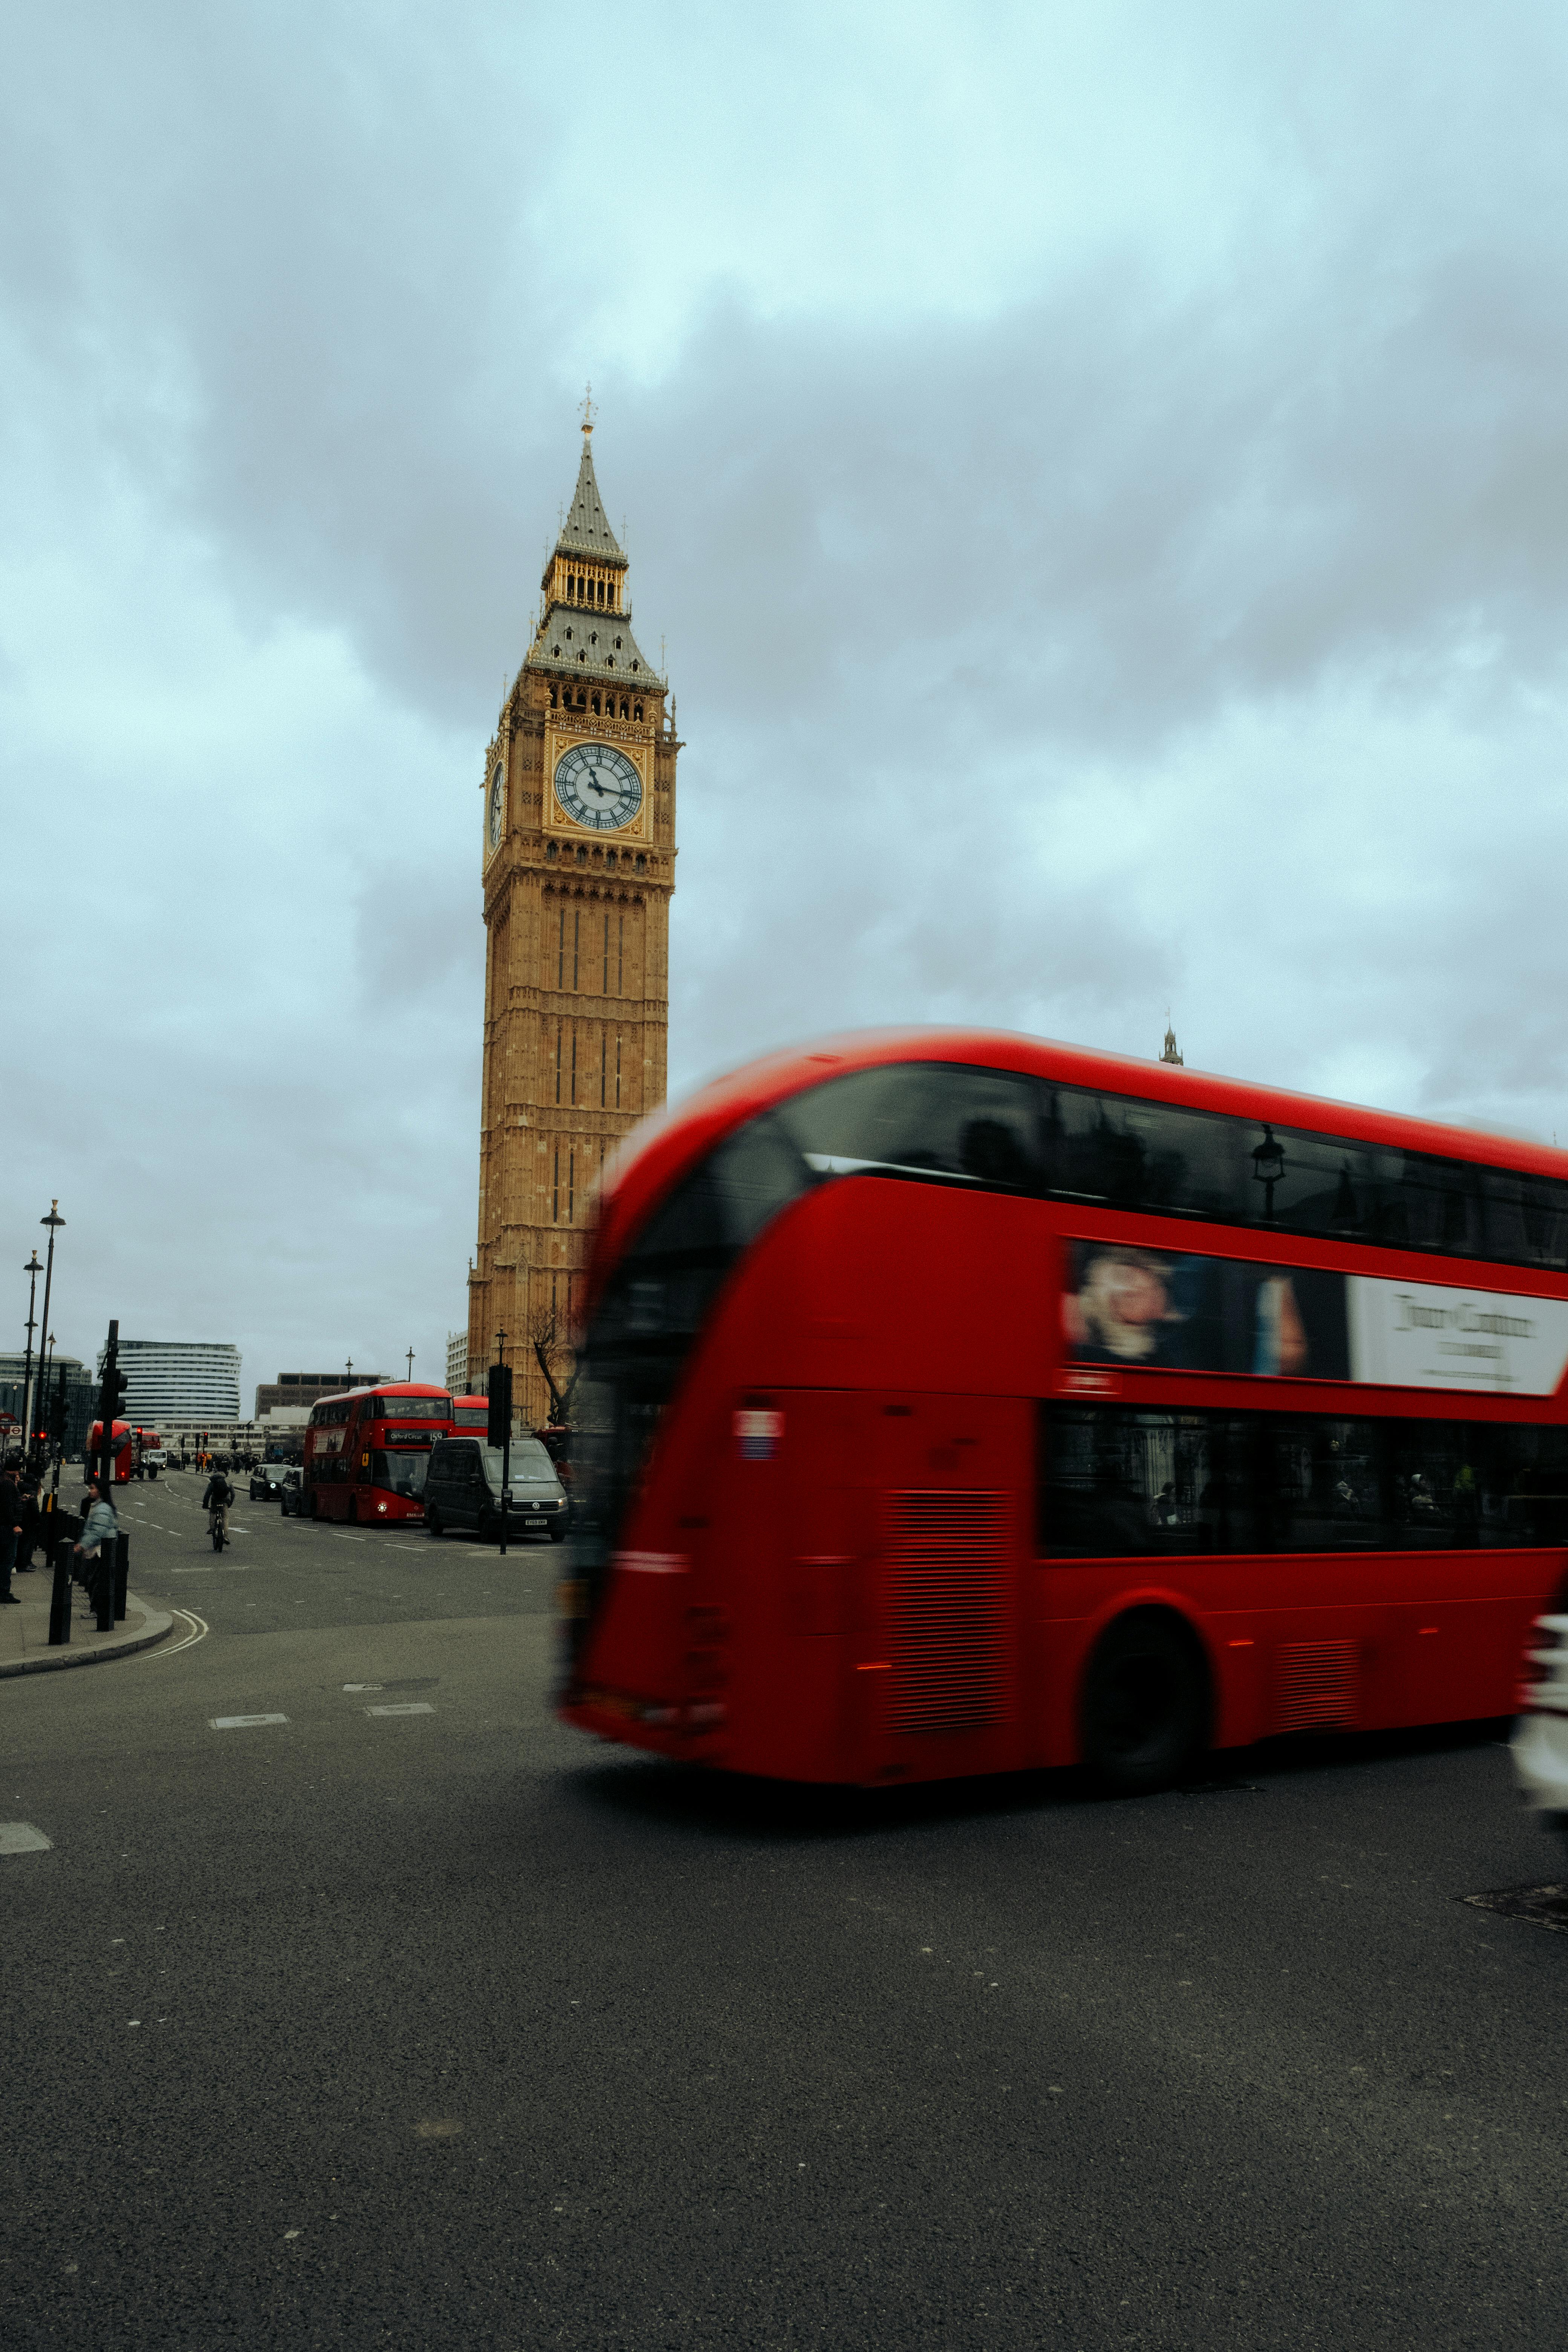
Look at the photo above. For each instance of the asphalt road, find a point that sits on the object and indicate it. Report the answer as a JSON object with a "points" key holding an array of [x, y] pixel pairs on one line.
{"points": [[452, 2028]]}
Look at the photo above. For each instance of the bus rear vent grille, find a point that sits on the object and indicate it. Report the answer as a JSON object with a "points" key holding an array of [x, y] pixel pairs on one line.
{"points": [[1315, 1683], [946, 1586]]}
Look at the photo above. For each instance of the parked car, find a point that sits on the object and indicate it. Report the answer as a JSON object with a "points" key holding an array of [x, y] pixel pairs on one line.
{"points": [[291, 1490], [463, 1489], [1541, 1734]]}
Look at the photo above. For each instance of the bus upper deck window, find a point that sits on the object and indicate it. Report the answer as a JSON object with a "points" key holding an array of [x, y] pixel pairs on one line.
{"points": [[923, 1118]]}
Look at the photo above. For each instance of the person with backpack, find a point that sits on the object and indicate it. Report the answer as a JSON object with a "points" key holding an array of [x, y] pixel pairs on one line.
{"points": [[215, 1502]]}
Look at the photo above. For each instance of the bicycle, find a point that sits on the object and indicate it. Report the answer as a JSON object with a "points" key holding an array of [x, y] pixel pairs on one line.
{"points": [[217, 1529]]}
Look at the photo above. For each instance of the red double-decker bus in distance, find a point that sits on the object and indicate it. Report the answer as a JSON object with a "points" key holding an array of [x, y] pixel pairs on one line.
{"points": [[121, 1446], [954, 1403], [470, 1412], [367, 1452]]}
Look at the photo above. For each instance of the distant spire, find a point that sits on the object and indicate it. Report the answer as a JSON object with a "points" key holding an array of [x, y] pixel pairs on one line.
{"points": [[1172, 1053]]}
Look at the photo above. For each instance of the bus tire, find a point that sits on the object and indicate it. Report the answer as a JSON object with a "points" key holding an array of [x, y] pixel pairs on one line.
{"points": [[1145, 1708], [432, 1523]]}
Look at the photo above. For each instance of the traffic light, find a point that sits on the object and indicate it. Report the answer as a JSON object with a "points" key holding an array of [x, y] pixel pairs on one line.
{"points": [[498, 1429]]}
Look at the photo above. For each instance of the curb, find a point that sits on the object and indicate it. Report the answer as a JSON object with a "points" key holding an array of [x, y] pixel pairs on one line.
{"points": [[159, 1623]]}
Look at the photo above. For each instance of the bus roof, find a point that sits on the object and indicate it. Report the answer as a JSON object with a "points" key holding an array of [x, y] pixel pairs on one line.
{"points": [[386, 1388], [664, 1146]]}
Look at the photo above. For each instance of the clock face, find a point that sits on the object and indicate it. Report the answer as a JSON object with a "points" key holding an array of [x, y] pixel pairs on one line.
{"points": [[498, 806], [598, 786]]}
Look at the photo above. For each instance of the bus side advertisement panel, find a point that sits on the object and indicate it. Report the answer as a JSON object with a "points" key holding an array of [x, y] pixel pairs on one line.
{"points": [[1142, 1310]]}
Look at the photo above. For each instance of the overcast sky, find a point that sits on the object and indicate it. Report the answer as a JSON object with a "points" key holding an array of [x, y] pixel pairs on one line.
{"points": [[1101, 472]]}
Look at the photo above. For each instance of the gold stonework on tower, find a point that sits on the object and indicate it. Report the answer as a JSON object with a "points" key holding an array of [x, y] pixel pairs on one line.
{"points": [[578, 853]]}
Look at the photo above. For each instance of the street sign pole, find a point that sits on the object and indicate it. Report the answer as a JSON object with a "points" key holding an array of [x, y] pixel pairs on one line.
{"points": [[498, 1431]]}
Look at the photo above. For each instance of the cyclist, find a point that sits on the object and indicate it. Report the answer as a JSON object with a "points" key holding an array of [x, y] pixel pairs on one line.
{"points": [[215, 1502]]}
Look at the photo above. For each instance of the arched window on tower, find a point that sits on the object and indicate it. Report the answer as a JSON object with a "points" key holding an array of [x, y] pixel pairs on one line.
{"points": [[581, 698], [637, 712], [625, 710], [594, 704], [555, 697]]}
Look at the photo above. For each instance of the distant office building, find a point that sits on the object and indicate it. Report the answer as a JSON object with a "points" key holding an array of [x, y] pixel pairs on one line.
{"points": [[81, 1397], [305, 1387], [179, 1379], [458, 1363]]}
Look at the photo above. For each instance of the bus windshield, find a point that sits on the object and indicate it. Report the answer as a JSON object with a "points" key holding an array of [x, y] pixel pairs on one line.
{"points": [[402, 1472], [407, 1408]]}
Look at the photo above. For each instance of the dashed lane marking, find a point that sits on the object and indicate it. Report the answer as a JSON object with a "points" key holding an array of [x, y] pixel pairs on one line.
{"points": [[410, 1707], [243, 1722], [21, 1837]]}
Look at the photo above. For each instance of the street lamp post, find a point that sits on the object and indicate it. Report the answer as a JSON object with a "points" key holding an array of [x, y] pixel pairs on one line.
{"points": [[505, 1396], [54, 1221], [32, 1270], [409, 1352]]}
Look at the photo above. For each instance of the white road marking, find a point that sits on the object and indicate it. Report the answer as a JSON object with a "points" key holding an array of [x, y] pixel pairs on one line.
{"points": [[409, 1707], [363, 1687], [393, 1545], [338, 1538], [243, 1722], [21, 1837]]}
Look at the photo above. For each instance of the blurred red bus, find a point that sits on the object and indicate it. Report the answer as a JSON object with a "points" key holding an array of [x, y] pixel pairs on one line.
{"points": [[470, 1412], [122, 1446], [953, 1402], [367, 1452]]}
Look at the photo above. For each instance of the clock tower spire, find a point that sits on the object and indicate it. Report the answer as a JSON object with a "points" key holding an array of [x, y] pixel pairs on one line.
{"points": [[579, 869]]}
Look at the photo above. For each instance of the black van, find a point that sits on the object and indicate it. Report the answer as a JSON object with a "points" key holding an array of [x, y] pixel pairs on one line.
{"points": [[462, 1489]]}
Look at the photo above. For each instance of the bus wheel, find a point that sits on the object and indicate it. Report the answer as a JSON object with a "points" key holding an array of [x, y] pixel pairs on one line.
{"points": [[1145, 1704]]}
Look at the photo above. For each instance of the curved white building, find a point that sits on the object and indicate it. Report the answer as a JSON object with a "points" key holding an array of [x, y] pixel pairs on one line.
{"points": [[178, 1379]]}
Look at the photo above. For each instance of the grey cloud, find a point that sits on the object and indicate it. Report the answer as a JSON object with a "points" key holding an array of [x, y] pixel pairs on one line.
{"points": [[1040, 666]]}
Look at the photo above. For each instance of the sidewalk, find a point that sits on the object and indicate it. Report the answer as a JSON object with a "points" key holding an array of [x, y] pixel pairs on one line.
{"points": [[25, 1632]]}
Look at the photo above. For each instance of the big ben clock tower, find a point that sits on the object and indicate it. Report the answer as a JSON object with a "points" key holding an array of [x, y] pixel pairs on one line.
{"points": [[579, 866]]}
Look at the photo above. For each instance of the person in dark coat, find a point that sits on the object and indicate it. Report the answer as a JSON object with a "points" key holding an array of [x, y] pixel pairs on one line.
{"points": [[10, 1529], [32, 1520]]}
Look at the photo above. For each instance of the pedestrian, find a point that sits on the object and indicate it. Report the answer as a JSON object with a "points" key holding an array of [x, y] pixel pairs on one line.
{"points": [[99, 1524], [32, 1520], [10, 1529]]}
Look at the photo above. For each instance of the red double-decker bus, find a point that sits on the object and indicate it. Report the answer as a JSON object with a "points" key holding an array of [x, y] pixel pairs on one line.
{"points": [[367, 1452], [121, 1448], [470, 1412], [952, 1404]]}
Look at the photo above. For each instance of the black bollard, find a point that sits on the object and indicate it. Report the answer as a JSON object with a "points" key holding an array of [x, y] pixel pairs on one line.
{"points": [[102, 1587], [60, 1597], [121, 1575]]}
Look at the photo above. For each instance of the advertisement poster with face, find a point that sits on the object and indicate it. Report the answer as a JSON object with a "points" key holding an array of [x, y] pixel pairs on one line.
{"points": [[1145, 1310]]}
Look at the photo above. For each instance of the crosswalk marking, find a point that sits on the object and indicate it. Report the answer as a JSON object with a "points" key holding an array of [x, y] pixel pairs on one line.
{"points": [[243, 1722], [409, 1707]]}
